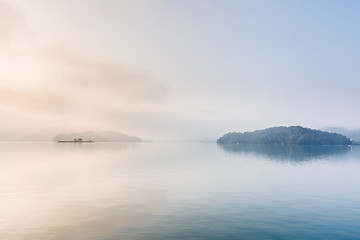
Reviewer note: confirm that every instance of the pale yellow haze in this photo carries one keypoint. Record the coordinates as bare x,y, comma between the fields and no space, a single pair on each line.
79,65
45,85
169,70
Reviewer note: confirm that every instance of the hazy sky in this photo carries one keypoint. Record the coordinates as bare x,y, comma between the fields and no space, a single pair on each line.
177,70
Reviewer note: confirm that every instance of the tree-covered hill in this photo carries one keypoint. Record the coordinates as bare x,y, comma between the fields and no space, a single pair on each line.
294,135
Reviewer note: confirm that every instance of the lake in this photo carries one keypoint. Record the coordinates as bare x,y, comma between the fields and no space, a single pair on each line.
178,191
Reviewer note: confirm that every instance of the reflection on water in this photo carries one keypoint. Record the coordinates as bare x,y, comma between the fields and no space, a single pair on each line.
51,191
71,191
287,152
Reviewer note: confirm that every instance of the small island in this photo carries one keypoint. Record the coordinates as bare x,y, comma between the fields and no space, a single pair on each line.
76,140
293,135
103,136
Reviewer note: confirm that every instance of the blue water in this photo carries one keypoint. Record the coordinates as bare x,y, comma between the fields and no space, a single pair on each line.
178,191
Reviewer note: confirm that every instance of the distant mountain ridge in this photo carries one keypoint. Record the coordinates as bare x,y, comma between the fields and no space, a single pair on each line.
350,133
104,136
293,135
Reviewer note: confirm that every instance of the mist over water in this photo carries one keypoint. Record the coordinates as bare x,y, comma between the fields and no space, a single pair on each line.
178,191
178,71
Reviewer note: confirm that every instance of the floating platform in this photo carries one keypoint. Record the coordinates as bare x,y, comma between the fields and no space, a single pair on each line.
79,140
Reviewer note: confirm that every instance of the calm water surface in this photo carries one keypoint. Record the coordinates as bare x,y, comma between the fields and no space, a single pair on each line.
178,191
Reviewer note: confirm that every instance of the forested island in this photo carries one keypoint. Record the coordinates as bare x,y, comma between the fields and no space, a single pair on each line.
294,135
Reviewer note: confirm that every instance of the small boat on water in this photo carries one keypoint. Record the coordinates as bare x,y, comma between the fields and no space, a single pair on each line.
78,140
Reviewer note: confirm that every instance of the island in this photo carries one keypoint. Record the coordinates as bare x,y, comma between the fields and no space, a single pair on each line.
76,140
102,136
293,135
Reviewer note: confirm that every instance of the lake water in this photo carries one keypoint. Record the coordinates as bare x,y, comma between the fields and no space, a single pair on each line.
178,191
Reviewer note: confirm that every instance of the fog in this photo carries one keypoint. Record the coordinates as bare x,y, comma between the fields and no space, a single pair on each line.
175,71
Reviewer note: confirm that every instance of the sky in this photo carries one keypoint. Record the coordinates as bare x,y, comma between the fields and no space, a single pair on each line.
189,70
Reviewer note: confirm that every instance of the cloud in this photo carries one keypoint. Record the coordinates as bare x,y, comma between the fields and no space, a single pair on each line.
96,77
39,101
57,82
12,23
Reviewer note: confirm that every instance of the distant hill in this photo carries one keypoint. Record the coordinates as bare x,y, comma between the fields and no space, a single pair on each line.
294,135
350,133
105,136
